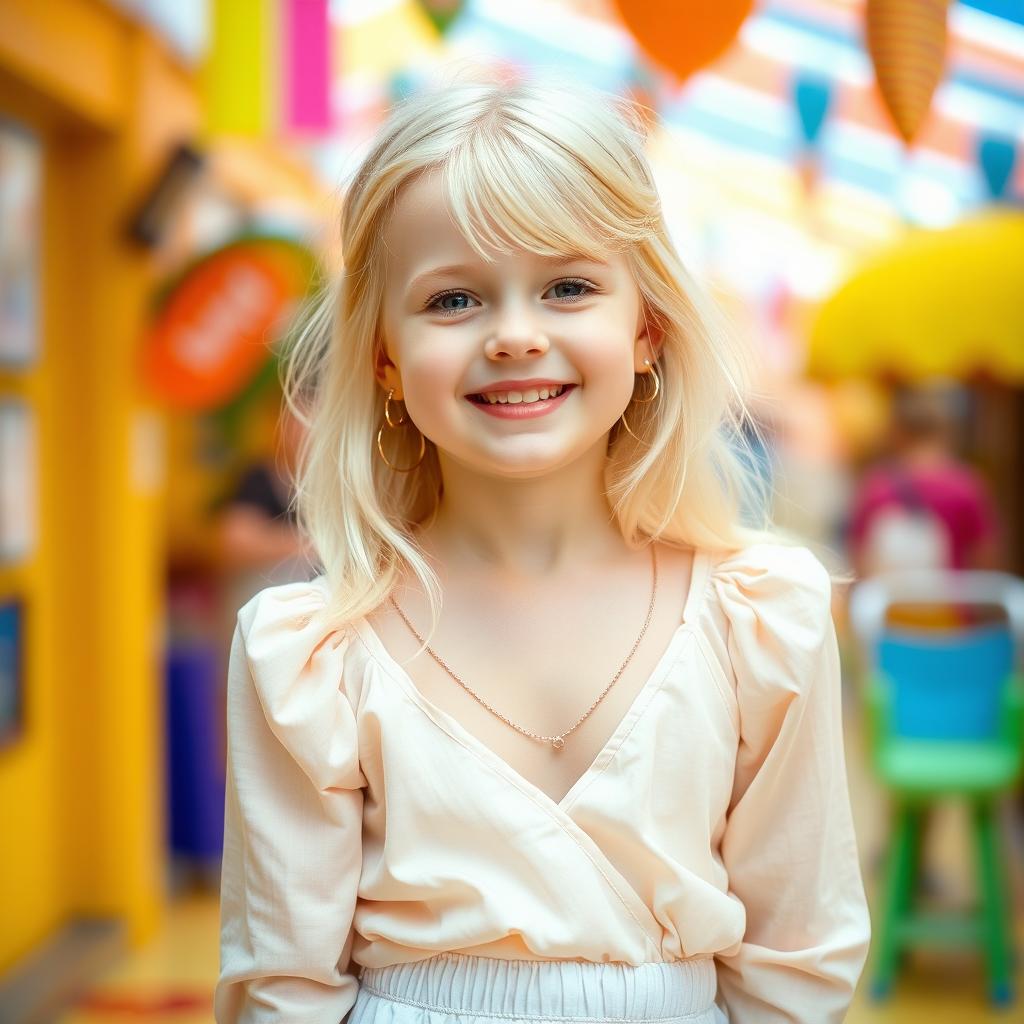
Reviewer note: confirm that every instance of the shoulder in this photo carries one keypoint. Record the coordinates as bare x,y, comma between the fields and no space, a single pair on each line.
277,611
288,626
771,573
293,656
771,614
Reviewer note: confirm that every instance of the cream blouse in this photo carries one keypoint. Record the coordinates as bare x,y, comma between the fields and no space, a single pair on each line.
366,826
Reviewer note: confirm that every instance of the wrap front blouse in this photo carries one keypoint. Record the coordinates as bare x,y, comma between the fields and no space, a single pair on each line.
366,826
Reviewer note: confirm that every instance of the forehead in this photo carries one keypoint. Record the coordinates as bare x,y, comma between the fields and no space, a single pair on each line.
418,217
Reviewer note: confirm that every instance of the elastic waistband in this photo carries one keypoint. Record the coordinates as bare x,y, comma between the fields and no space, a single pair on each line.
579,990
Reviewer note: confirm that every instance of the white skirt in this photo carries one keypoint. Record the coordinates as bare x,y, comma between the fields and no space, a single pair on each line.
453,988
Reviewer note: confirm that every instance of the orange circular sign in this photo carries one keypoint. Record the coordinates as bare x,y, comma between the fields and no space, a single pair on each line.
214,329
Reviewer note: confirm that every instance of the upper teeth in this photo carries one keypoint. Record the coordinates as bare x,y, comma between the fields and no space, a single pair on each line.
515,397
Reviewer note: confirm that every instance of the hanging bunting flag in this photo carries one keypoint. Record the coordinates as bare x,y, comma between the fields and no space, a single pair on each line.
240,73
907,43
683,35
997,155
307,66
442,12
812,95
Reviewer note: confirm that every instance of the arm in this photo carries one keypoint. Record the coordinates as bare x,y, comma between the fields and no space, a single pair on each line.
292,839
789,845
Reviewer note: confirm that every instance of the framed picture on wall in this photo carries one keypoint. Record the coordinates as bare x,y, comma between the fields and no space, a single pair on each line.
21,171
17,480
12,661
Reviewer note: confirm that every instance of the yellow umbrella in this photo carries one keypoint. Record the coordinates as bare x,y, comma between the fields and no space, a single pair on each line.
947,302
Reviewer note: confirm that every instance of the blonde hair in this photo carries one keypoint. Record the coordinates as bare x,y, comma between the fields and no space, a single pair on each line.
556,169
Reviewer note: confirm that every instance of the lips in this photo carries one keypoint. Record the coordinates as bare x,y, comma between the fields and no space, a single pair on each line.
521,410
521,385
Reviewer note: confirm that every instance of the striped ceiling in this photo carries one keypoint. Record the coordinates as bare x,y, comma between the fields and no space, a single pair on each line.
743,100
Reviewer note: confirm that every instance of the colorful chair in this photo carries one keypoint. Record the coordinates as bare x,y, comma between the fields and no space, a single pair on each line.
945,721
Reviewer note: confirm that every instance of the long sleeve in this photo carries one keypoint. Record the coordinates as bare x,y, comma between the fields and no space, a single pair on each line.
292,818
789,846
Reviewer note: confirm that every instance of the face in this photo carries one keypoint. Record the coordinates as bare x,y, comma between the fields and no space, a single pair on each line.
455,325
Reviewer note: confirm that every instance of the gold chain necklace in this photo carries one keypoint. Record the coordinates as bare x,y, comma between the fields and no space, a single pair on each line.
556,741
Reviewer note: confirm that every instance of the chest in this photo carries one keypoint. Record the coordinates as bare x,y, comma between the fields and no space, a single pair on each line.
544,671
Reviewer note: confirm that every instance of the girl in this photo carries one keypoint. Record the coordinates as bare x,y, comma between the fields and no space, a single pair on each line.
603,779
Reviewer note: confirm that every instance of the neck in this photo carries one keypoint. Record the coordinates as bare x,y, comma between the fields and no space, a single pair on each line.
525,529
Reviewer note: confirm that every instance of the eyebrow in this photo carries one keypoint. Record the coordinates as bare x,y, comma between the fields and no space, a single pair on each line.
462,268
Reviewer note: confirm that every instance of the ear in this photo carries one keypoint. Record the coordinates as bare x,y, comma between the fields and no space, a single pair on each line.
385,371
649,339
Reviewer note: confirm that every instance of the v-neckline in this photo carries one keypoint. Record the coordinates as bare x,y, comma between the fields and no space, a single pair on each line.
461,734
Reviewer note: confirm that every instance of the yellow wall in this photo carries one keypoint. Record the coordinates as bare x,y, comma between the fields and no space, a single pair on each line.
82,793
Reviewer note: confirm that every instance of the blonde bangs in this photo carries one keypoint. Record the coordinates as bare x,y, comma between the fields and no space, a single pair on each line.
512,185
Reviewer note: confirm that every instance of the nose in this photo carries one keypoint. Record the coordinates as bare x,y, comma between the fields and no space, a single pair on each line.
515,338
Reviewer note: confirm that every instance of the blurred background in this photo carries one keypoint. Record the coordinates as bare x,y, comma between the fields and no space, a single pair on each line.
842,175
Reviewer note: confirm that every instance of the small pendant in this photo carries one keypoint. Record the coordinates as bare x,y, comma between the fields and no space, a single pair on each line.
558,742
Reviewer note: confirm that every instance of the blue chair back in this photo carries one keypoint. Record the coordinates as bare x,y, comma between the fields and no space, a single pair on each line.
947,685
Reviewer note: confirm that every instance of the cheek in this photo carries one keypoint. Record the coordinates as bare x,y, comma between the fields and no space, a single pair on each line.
603,357
431,377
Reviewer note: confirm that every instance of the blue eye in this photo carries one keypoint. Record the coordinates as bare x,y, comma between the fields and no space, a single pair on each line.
574,282
447,310
435,301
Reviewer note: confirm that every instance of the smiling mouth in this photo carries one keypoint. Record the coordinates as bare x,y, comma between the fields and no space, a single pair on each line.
480,399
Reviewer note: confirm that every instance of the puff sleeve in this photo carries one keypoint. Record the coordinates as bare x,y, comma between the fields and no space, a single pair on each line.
789,846
292,817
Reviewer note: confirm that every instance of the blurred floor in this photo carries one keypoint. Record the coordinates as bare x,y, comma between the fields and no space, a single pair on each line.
170,982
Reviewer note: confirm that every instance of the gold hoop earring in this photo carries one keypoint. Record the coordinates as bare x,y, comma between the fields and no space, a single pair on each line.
644,401
657,384
389,423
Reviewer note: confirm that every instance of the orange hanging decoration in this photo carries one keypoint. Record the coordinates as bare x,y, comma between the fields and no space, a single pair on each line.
683,35
907,43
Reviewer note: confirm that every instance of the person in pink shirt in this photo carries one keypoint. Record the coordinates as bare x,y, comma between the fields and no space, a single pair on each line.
923,507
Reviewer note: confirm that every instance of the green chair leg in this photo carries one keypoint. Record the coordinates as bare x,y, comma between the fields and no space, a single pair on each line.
924,814
897,897
995,898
